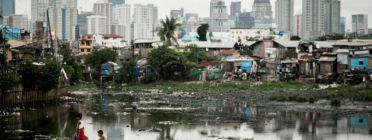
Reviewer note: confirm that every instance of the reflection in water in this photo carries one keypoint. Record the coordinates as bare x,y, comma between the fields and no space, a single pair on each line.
99,114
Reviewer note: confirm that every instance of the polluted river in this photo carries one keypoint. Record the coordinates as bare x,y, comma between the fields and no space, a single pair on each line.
191,115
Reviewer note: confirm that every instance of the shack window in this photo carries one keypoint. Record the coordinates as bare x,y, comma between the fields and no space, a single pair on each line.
88,50
361,62
82,50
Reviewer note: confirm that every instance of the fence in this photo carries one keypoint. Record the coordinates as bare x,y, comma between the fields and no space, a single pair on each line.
20,99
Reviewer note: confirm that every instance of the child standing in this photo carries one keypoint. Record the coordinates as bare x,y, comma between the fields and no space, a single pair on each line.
80,128
100,134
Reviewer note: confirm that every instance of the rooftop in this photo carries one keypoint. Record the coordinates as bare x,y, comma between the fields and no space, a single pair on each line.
287,44
228,52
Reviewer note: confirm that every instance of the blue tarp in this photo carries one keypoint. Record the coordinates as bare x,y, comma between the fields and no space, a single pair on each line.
359,121
246,65
136,72
355,62
229,56
105,73
105,67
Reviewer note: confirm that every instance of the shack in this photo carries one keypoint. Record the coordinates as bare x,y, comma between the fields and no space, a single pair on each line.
211,48
307,68
145,47
288,69
360,60
327,68
286,49
343,60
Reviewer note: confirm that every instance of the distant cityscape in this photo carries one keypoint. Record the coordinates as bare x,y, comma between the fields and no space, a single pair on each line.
114,17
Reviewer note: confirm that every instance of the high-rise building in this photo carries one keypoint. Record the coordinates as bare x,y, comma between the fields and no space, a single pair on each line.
359,24
82,22
235,9
154,17
118,29
116,2
66,22
320,17
65,3
342,25
244,20
262,9
122,16
188,24
38,10
103,8
211,6
97,24
220,17
297,24
284,15
17,21
189,15
176,13
7,8
143,22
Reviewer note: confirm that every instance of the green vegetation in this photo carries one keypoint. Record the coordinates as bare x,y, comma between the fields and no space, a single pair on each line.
295,38
202,32
125,74
168,30
50,76
70,65
334,36
96,58
81,87
174,85
290,85
336,102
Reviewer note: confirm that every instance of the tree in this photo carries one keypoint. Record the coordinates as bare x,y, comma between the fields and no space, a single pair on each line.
249,38
334,36
202,32
169,64
246,51
211,34
69,62
50,75
7,76
168,30
193,53
295,38
96,58
239,39
125,74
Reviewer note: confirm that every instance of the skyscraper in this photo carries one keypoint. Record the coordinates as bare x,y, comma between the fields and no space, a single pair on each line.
122,16
176,13
118,29
342,25
143,22
66,20
103,8
284,15
154,17
17,21
244,20
83,22
65,3
116,2
38,10
262,13
97,24
235,9
320,17
211,6
220,18
297,25
359,24
7,8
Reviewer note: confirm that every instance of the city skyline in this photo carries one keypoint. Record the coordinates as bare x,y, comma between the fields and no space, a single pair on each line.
347,10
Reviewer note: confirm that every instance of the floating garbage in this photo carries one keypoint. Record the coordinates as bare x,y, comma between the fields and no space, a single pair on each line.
167,123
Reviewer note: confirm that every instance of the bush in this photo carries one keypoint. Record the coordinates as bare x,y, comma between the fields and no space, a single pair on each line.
335,102
148,79
311,99
301,99
281,98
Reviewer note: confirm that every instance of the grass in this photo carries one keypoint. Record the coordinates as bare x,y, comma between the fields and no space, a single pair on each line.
81,87
175,85
290,85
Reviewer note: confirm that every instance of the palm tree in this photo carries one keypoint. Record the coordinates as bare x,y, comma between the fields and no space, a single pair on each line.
168,30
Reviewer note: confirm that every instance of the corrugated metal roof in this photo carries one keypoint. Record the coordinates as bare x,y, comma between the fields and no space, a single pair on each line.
15,44
353,44
327,59
324,44
248,43
288,44
343,50
220,45
146,41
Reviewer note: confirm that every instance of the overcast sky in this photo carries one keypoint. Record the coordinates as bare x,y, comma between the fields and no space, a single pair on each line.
348,7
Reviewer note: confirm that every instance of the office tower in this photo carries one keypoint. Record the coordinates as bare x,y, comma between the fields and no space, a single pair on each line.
189,15
66,20
297,24
176,13
116,2
235,9
207,20
154,17
284,15
359,24
103,8
342,25
65,3
320,17
82,22
97,24
16,21
244,20
122,15
7,8
220,18
191,20
262,9
142,22
38,10
211,6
